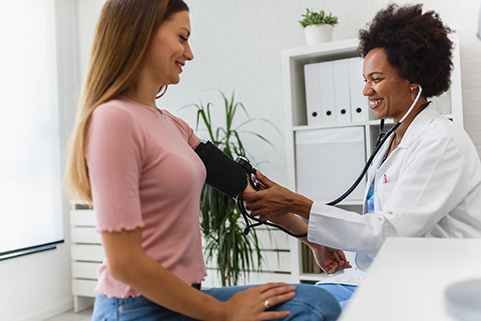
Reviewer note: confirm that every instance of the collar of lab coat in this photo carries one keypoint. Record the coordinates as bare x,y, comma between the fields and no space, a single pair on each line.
418,126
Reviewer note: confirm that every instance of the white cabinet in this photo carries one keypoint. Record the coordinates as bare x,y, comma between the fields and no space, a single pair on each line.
87,254
316,167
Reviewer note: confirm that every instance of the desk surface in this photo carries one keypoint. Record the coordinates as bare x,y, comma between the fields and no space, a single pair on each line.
408,278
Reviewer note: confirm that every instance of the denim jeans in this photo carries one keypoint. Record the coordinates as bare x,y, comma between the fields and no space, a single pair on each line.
342,292
310,303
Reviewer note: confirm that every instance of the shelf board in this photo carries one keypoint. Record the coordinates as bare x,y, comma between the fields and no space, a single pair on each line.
310,127
372,122
328,50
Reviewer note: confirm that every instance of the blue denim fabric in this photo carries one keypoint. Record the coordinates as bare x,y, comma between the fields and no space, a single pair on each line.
342,292
310,303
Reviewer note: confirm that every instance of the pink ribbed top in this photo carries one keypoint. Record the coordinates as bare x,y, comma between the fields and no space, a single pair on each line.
144,173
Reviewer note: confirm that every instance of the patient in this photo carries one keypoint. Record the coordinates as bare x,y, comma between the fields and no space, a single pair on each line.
124,156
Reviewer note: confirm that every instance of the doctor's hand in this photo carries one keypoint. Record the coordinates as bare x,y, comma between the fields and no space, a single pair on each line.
329,260
275,201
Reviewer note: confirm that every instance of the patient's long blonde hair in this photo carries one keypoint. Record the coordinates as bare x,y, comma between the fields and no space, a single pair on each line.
122,40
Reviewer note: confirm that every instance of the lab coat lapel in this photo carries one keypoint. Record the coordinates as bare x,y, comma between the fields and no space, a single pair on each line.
418,126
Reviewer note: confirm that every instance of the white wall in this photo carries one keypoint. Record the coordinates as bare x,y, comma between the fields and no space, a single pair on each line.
37,286
237,45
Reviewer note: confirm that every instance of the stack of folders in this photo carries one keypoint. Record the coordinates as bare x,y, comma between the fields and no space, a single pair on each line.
334,92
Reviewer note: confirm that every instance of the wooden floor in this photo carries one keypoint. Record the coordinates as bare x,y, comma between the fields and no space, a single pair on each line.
72,316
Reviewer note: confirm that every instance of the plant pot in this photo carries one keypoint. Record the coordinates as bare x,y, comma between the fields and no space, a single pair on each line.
318,34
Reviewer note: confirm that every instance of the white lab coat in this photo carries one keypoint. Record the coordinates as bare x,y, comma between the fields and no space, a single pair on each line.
430,186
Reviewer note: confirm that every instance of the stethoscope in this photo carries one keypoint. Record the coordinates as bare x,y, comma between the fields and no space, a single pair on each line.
381,139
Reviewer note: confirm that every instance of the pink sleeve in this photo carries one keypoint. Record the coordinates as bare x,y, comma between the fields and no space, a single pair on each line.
114,159
185,129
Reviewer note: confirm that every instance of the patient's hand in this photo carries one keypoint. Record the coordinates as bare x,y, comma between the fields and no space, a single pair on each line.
330,260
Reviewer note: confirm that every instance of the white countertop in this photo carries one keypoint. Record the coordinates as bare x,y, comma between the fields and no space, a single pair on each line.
408,278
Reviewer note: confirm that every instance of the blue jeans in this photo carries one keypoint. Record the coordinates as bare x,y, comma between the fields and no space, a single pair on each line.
341,292
310,303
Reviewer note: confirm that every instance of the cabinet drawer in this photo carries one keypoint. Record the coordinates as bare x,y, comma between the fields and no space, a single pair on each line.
91,253
85,270
82,218
327,161
84,287
85,235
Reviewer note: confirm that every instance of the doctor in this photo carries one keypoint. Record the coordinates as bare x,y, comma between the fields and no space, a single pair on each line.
426,179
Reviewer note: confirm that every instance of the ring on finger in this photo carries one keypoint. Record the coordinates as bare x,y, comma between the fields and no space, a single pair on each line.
266,304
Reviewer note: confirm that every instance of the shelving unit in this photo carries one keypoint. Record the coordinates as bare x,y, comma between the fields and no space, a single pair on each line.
296,121
87,254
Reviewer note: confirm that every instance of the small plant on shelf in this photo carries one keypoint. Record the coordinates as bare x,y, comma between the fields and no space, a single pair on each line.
313,18
318,26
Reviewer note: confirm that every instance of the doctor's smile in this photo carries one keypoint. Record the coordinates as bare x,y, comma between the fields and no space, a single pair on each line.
374,103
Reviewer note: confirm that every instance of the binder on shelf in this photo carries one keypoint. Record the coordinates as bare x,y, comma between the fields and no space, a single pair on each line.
341,90
327,95
313,96
359,103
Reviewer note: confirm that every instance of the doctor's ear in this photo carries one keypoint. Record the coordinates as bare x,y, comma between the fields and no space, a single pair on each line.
413,88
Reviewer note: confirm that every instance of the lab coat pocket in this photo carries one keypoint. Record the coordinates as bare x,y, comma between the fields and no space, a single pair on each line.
383,193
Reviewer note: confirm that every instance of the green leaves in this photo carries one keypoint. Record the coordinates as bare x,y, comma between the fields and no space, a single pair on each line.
220,219
317,18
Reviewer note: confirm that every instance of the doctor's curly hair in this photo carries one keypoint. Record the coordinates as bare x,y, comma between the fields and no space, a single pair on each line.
415,42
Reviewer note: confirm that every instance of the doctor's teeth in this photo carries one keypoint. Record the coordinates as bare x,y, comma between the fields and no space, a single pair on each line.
375,102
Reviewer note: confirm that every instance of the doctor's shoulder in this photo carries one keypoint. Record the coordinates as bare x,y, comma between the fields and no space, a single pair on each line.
441,134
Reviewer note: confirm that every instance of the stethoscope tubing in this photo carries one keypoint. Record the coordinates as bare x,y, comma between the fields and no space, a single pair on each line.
378,146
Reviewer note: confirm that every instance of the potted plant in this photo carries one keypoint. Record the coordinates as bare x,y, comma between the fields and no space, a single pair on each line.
318,26
221,221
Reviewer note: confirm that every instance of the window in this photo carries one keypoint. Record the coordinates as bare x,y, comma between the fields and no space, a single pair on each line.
30,163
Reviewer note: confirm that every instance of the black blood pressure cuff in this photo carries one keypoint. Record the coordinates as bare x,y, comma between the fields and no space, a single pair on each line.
223,173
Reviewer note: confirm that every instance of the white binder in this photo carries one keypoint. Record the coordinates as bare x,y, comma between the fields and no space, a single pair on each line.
313,95
359,103
328,161
341,89
326,89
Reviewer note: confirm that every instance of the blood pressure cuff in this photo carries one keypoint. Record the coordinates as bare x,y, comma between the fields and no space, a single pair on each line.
223,173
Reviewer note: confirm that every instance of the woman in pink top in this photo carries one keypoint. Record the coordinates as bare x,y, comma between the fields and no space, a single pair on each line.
136,164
